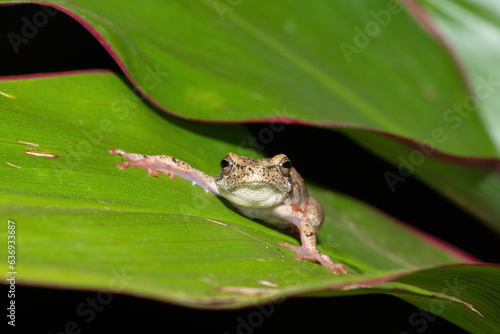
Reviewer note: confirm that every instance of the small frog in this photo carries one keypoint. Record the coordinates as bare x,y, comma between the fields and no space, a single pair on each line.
269,189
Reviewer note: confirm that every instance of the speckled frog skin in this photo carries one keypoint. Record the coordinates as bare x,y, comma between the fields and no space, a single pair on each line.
269,189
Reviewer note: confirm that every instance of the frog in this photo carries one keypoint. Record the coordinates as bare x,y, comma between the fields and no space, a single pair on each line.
266,189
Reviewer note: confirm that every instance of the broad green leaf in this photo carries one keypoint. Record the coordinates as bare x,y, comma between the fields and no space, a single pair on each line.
343,63
83,223
460,296
472,29
327,63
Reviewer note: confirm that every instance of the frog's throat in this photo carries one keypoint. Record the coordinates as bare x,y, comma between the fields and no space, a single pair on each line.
255,195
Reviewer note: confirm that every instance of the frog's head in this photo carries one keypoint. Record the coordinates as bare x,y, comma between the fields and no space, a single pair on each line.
255,183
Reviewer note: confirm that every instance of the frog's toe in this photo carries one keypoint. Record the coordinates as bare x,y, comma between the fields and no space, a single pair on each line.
325,260
313,255
151,172
113,150
297,250
122,165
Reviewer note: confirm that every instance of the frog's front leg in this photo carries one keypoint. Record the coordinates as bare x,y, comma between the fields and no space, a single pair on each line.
308,232
168,165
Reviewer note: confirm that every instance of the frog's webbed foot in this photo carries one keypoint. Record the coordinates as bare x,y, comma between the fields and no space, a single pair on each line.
313,255
135,160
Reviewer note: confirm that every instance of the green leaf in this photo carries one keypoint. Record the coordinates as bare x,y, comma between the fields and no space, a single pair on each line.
338,64
469,30
472,30
83,223
213,61
452,292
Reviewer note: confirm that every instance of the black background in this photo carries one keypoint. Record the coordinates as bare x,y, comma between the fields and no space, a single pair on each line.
62,44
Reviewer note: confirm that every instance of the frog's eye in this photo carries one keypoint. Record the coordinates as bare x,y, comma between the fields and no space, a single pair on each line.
226,166
285,167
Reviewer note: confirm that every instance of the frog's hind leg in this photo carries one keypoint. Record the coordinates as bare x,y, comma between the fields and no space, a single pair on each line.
308,249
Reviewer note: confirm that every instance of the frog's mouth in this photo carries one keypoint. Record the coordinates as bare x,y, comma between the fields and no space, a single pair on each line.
255,195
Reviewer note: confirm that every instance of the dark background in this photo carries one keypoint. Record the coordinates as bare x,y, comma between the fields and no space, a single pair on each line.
62,44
